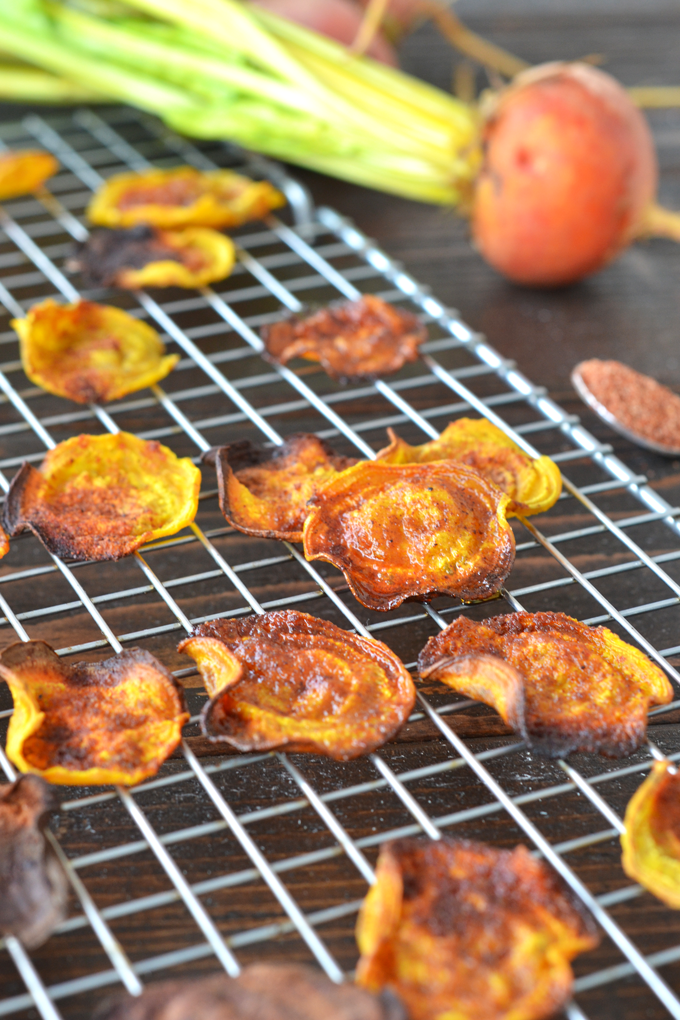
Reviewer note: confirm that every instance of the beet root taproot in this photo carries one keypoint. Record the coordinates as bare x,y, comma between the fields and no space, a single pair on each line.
569,175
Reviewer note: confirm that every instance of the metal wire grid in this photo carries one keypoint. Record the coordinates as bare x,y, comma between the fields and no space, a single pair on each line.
276,265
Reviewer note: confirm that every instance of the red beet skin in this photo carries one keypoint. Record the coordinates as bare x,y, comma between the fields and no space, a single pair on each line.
569,171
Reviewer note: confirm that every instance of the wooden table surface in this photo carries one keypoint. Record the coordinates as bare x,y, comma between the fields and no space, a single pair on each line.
629,311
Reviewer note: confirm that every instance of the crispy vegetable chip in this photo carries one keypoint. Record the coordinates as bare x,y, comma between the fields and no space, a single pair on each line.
24,171
412,532
182,197
533,485
102,497
265,492
358,339
463,931
114,721
90,353
147,257
262,991
34,891
651,842
288,680
561,685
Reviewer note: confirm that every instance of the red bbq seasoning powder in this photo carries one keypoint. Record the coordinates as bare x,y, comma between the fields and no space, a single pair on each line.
639,403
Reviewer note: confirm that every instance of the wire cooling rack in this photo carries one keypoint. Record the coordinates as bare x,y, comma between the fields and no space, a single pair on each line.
227,858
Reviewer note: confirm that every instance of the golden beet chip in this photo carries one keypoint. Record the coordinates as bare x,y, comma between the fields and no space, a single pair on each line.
358,339
412,532
561,685
24,171
147,257
288,680
533,485
262,991
92,722
183,197
34,889
89,352
463,931
265,492
651,842
102,497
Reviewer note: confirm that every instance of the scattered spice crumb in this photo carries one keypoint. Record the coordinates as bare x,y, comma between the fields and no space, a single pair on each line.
638,402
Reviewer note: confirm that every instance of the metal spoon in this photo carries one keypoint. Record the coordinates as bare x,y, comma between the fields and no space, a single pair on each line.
606,415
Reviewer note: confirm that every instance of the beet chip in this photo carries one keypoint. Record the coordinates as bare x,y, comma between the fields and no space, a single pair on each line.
288,680
359,339
463,930
563,686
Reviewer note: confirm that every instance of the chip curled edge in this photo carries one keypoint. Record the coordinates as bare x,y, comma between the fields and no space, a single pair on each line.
24,170
412,532
102,497
360,339
91,723
464,931
90,353
266,991
561,685
651,841
182,197
145,256
288,680
34,887
265,491
532,483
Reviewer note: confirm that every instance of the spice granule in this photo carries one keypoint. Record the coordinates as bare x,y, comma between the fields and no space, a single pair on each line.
639,403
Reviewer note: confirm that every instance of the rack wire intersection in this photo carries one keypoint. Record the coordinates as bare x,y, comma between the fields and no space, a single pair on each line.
274,852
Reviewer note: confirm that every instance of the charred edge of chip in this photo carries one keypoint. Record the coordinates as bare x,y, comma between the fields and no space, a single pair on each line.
108,250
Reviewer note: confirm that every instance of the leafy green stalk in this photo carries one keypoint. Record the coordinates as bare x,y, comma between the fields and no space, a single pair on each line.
27,85
119,83
219,69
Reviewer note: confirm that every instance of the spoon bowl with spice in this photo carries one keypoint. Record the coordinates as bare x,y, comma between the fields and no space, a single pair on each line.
634,405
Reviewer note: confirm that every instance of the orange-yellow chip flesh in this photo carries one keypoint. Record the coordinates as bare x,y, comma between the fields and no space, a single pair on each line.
464,931
90,353
203,256
533,484
266,492
90,723
24,171
182,197
290,681
4,542
102,497
651,842
412,532
563,686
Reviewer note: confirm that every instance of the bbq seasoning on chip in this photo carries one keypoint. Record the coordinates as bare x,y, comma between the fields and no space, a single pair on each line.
464,931
182,197
102,497
561,685
533,484
288,680
360,339
266,492
87,723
